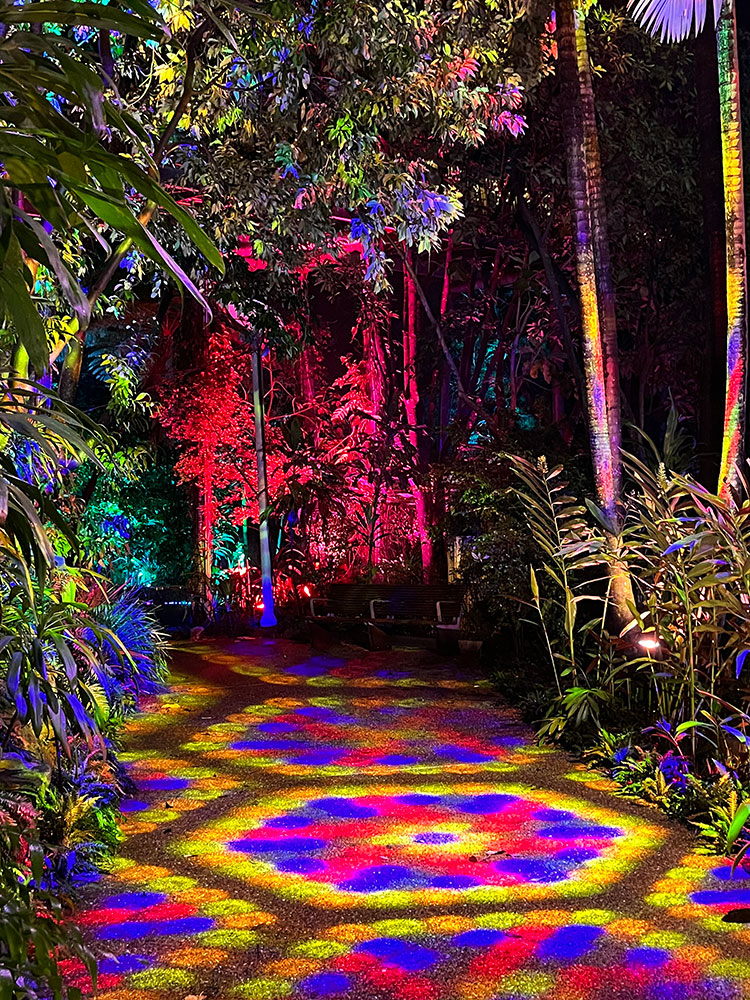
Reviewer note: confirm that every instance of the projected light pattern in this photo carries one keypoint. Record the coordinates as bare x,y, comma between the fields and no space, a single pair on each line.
166,787
158,930
551,954
704,888
381,735
386,871
376,670
399,846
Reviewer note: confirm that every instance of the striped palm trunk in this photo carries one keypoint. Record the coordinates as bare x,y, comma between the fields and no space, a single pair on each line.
734,209
571,53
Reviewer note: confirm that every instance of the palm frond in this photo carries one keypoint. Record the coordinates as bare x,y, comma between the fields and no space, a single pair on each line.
673,20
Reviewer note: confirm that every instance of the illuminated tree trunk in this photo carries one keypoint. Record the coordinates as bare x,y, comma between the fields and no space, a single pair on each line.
568,39
595,289
207,516
734,210
411,403
603,264
268,616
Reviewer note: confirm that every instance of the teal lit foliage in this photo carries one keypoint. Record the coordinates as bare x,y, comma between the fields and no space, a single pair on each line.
138,529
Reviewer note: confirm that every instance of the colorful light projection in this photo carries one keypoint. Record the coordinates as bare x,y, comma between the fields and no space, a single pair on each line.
703,888
403,846
160,932
166,787
328,671
544,954
344,736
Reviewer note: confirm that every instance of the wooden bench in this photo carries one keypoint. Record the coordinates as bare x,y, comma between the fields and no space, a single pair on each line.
384,603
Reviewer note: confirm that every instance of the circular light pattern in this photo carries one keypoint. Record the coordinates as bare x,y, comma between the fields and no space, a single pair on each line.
396,846
550,954
705,888
330,736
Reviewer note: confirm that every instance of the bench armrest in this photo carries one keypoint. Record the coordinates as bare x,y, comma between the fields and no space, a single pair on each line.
378,600
453,619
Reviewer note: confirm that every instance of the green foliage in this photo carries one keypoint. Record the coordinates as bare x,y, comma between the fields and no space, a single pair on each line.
35,933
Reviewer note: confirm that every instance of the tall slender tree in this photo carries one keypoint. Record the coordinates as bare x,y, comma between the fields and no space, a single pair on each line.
673,20
575,80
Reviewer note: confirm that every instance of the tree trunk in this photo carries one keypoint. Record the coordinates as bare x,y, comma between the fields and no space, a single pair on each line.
268,617
715,254
734,208
603,264
593,351
602,405
411,403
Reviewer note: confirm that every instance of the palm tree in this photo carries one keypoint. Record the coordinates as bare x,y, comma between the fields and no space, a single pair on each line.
674,20
592,255
596,288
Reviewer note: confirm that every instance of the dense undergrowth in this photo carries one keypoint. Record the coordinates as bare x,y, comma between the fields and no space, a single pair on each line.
660,703
75,655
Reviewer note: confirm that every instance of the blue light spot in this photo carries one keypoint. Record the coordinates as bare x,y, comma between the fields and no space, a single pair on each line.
416,799
454,882
717,897
487,804
573,832
307,670
133,805
288,822
344,808
480,937
435,838
531,869
405,955
555,816
568,944
265,745
576,855
301,866
652,958
137,929
724,874
381,877
123,964
257,845
325,984
162,784
277,727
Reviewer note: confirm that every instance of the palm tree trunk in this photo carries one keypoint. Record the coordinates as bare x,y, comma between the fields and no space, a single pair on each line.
596,295
593,351
734,209
600,234
714,250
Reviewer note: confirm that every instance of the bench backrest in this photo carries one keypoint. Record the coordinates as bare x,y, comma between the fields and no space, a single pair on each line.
399,600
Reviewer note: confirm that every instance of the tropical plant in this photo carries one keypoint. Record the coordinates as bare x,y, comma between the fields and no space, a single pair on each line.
75,164
674,20
36,936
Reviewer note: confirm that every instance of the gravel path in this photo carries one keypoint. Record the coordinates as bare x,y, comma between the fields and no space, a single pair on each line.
378,828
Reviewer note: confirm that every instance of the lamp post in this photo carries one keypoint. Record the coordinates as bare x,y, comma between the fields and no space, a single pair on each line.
268,618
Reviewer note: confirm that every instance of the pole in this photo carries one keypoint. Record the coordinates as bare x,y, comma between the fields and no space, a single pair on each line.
268,618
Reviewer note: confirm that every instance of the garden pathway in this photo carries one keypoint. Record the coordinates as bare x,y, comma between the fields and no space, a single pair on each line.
308,826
